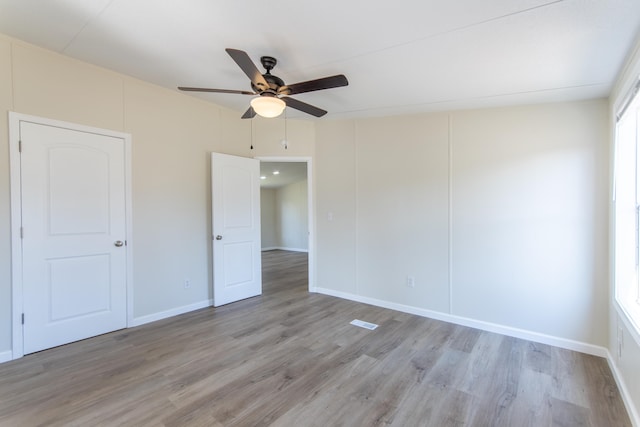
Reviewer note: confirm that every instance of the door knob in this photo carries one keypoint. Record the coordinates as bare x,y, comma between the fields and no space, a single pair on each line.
218,237
119,243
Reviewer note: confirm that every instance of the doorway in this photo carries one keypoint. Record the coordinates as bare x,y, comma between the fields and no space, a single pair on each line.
287,219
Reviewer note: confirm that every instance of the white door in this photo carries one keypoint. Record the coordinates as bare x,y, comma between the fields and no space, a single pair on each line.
237,264
73,220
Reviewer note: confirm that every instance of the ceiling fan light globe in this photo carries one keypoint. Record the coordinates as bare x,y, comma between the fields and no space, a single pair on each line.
268,106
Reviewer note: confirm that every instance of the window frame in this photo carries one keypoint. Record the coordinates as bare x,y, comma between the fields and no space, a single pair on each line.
626,277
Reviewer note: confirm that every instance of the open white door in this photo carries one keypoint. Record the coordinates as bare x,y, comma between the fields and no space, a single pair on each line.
237,264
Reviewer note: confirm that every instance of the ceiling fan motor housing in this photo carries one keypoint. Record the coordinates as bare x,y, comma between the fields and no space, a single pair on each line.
275,82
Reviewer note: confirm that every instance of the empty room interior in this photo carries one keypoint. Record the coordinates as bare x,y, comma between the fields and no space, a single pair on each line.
414,213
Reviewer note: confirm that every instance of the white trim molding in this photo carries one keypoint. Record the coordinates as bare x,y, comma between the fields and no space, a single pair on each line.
477,324
138,321
280,248
6,356
634,415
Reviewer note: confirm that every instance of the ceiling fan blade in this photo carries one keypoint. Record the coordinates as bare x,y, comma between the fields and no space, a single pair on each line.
249,68
204,89
249,114
304,107
311,85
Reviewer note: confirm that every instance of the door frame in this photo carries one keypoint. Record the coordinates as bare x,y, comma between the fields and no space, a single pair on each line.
15,170
310,211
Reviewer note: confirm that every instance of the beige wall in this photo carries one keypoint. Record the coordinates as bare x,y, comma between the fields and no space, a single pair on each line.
172,136
268,218
335,201
529,218
284,215
402,209
293,215
6,103
499,214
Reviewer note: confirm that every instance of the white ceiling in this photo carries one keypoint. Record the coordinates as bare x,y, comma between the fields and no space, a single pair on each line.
400,56
287,173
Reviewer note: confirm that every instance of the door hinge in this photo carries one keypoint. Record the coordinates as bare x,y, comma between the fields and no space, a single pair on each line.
23,318
22,232
20,146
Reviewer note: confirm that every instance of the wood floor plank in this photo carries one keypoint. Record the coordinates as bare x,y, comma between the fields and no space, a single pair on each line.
291,358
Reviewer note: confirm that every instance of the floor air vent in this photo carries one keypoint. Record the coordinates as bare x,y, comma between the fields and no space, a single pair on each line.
362,324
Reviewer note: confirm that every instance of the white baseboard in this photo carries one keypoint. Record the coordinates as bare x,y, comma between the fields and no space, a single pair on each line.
281,248
294,249
477,324
6,356
137,321
624,392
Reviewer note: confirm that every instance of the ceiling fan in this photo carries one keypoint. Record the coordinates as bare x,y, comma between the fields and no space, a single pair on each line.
273,94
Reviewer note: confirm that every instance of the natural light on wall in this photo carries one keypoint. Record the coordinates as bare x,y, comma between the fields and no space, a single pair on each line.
626,205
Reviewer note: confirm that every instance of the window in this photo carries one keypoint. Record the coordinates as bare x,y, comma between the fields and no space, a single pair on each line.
627,208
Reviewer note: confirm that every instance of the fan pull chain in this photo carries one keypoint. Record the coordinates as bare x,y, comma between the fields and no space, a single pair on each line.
286,141
251,134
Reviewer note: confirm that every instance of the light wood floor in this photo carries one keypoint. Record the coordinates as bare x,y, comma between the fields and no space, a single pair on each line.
290,358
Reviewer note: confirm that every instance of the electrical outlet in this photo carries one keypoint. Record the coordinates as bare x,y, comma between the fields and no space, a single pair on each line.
411,281
187,283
